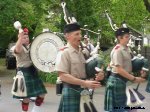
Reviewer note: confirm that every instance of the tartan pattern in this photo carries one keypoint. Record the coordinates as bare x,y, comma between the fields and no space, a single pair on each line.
70,100
115,95
148,85
34,84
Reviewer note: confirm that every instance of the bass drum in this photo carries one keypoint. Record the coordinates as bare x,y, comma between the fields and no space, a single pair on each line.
44,50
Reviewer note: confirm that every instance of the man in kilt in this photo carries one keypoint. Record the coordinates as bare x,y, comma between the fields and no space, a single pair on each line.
115,93
34,85
71,70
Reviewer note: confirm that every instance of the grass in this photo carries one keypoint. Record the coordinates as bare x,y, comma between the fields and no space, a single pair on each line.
2,61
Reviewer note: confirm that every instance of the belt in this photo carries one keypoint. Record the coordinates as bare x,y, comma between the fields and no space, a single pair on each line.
66,85
119,76
26,68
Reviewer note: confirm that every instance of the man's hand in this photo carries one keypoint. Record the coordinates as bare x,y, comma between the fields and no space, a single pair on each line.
143,73
21,37
21,40
139,79
99,76
91,84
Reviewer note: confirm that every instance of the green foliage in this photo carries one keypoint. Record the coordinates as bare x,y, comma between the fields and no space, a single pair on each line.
48,77
30,13
106,56
131,11
34,15
92,14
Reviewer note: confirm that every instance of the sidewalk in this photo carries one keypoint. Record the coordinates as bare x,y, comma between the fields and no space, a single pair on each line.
8,104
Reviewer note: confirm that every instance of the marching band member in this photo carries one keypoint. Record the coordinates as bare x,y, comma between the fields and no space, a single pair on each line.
87,43
115,94
34,85
71,70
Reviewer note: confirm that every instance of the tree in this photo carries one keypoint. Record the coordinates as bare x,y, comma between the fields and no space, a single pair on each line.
91,12
131,11
31,14
40,14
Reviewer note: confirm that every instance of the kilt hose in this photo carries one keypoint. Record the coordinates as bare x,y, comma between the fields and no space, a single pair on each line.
115,95
70,100
34,84
148,84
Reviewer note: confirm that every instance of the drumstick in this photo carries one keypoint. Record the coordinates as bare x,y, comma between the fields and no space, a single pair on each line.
18,26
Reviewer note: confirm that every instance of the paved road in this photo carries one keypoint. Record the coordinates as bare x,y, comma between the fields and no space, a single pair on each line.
8,104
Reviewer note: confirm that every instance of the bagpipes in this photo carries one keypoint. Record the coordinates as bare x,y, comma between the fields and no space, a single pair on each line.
94,63
134,97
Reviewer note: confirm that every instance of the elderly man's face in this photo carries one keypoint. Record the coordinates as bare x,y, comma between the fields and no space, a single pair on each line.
74,38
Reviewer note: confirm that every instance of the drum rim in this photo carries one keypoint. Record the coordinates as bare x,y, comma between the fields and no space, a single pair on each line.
47,32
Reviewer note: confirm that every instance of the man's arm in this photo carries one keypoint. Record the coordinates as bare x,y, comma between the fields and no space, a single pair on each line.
68,78
18,48
118,63
125,74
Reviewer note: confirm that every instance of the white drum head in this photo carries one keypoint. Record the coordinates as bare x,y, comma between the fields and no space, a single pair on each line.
44,50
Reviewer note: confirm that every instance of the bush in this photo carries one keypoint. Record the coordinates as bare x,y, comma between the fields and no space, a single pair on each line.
48,77
105,55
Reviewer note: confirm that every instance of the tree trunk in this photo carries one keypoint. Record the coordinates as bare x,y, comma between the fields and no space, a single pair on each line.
147,5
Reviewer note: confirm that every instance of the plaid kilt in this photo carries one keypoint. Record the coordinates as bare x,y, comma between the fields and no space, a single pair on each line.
115,95
148,85
70,100
34,84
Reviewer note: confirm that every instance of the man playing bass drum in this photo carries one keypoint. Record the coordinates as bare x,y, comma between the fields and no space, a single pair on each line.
34,85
